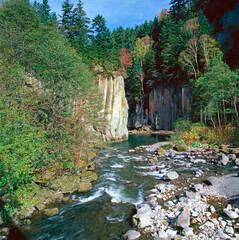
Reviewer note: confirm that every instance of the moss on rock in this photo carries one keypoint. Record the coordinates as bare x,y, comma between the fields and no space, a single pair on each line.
84,186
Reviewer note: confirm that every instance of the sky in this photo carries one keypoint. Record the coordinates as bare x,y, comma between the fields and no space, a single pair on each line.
125,13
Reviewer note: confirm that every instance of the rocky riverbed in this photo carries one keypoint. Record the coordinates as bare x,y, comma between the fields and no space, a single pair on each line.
200,206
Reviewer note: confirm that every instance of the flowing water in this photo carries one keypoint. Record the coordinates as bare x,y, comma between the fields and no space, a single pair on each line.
105,212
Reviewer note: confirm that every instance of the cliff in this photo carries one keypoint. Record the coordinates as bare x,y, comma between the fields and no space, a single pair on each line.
162,107
115,107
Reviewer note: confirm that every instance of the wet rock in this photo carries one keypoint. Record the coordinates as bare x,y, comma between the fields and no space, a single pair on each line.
142,218
153,160
171,175
84,187
224,159
214,181
230,214
65,199
171,153
161,151
181,148
235,151
131,235
51,212
183,219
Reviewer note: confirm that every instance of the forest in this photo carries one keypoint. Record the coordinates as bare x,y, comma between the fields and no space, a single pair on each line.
49,100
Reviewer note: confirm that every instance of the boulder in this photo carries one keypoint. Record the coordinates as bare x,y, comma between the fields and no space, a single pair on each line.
25,212
224,159
181,148
131,235
183,219
161,151
235,151
171,153
153,160
51,212
171,175
230,214
40,206
142,218
89,175
214,181
84,186
198,187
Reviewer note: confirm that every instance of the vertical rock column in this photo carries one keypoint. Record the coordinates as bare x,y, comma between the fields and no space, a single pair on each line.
115,107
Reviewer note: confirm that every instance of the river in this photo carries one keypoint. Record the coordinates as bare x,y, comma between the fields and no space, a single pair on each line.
105,212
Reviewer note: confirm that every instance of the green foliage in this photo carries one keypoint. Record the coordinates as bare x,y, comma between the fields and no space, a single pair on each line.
49,102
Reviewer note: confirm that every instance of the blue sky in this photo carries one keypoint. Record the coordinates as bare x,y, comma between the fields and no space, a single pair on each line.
126,13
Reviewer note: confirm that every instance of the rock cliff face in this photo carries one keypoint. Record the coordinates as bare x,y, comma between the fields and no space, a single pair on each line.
162,107
115,106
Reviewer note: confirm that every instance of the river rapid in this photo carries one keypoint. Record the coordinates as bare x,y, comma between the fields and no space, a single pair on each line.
105,212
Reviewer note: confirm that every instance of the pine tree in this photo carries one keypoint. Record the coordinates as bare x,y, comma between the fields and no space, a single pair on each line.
81,27
67,21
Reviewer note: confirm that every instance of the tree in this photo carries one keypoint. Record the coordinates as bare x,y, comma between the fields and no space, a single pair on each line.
67,21
140,53
125,58
81,27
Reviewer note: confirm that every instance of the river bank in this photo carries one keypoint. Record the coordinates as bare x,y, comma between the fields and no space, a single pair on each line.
203,205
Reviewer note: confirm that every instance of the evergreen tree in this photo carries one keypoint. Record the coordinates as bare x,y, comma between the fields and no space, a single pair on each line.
81,27
67,21
44,11
102,36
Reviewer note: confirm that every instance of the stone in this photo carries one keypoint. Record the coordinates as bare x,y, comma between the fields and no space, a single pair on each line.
192,195
171,233
57,196
181,148
212,209
162,234
183,219
229,230
153,160
26,212
222,235
131,235
161,151
51,212
235,151
65,199
230,214
198,187
89,175
40,206
171,153
224,159
142,218
84,187
172,175
4,231
188,231
208,224
214,181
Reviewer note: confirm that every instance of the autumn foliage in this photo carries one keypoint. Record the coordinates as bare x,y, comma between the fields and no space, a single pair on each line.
163,14
125,58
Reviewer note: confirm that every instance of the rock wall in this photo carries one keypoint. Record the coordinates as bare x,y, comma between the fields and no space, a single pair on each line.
115,107
162,107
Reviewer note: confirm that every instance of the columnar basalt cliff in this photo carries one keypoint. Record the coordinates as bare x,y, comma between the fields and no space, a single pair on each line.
115,106
162,107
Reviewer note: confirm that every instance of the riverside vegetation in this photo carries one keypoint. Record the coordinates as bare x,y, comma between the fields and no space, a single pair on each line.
49,103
